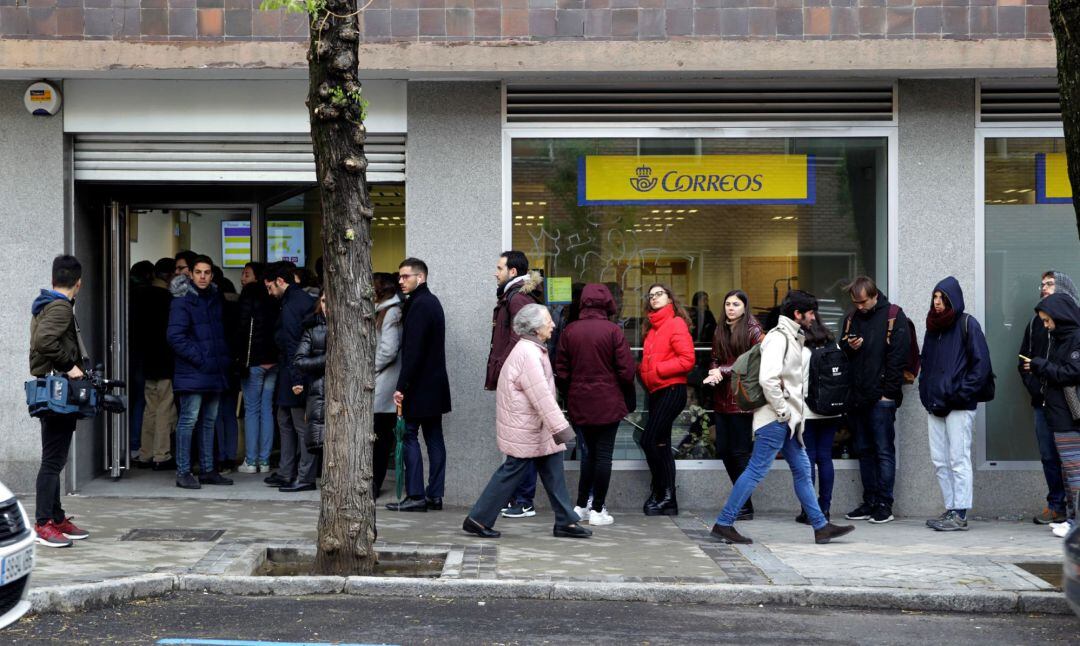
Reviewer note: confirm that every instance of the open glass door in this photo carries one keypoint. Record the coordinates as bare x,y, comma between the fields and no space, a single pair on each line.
117,453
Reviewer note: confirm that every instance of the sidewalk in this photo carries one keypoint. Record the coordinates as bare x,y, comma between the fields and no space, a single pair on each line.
902,555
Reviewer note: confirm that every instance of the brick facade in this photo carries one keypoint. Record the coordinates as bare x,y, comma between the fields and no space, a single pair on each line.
536,20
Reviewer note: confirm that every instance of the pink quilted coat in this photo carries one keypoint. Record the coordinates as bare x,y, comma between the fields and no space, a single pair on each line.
526,413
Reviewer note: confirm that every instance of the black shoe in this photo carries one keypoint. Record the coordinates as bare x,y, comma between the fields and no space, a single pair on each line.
745,515
862,512
297,486
667,505
214,478
187,481
830,531
275,480
474,527
167,465
802,518
435,504
139,464
882,514
650,502
408,504
727,534
571,531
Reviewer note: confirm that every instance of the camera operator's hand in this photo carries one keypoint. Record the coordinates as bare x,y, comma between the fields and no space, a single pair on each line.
75,373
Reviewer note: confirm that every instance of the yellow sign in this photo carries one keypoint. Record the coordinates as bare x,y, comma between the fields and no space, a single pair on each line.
695,179
1052,179
559,290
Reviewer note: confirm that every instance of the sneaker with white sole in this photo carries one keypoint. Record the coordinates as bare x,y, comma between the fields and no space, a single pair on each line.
953,522
519,511
49,535
1063,529
582,512
601,517
247,468
882,514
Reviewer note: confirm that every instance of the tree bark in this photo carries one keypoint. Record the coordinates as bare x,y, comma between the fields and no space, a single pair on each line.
347,517
1065,20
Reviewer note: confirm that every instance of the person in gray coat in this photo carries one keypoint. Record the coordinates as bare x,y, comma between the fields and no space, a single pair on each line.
387,369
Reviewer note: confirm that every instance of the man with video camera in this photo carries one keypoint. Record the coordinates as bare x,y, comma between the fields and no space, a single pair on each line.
55,347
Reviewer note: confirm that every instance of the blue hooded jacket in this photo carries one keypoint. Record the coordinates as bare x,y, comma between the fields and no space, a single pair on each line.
952,375
197,335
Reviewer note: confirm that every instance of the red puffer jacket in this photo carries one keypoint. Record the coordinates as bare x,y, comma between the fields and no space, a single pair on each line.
723,397
669,351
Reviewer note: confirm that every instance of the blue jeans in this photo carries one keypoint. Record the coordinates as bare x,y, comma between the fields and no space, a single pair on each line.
259,414
226,428
190,406
874,432
414,460
769,440
818,436
1051,463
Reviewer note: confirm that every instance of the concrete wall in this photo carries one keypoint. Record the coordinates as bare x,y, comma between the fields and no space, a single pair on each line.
32,221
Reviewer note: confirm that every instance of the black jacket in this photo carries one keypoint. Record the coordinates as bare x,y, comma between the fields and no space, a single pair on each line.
1062,368
423,379
310,363
1036,343
296,305
877,368
149,330
256,326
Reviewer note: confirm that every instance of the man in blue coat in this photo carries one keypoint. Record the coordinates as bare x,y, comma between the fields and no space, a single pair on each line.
955,377
196,334
296,305
423,389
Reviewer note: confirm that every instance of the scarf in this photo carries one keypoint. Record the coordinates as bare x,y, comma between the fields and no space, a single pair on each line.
940,322
660,316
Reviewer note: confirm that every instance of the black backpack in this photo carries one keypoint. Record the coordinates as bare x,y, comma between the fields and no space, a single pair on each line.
830,380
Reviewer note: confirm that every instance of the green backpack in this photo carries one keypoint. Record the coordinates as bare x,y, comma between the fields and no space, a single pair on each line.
746,378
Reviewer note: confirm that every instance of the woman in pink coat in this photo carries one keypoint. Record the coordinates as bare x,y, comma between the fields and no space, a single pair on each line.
530,428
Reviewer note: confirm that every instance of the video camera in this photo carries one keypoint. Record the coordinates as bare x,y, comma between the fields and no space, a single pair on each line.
56,394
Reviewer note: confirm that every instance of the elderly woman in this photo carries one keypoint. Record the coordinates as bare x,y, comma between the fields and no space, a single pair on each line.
530,428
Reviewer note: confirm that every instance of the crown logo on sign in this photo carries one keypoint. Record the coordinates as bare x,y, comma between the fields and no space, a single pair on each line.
643,181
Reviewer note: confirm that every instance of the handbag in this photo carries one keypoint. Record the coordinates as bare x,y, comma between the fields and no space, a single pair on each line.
1072,398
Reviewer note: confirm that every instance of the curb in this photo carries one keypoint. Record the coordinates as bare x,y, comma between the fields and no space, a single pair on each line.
85,596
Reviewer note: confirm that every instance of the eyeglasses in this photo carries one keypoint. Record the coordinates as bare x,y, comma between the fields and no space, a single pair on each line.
653,295
403,276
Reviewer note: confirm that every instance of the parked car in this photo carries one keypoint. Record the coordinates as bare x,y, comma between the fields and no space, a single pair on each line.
17,539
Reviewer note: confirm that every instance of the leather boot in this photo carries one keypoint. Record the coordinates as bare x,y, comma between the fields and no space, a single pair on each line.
667,505
650,502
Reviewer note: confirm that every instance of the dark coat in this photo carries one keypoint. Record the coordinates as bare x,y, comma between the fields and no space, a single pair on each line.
1062,368
54,344
150,307
197,336
257,324
310,363
296,305
877,368
423,380
503,337
723,397
594,365
953,373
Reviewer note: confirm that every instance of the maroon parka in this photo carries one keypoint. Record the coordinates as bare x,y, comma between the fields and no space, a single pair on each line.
593,361
503,338
723,397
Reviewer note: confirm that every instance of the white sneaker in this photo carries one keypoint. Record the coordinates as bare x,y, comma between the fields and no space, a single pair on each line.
582,512
247,468
600,518
1054,526
1062,529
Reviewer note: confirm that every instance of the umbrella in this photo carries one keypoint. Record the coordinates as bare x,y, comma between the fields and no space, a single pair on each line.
399,452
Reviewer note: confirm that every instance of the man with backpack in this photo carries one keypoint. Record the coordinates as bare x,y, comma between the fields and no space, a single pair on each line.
515,290
768,378
878,339
956,376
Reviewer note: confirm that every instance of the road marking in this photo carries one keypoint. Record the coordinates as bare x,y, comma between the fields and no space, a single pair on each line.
181,641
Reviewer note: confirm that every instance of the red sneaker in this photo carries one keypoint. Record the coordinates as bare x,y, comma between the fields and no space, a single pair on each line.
49,535
68,529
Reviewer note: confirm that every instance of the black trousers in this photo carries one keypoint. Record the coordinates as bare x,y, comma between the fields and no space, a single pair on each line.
596,467
664,406
55,444
384,446
734,444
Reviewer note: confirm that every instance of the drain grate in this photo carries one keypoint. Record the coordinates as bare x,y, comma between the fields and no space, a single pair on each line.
174,534
1051,572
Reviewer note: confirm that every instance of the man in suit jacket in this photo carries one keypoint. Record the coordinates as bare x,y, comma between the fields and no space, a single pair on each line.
423,389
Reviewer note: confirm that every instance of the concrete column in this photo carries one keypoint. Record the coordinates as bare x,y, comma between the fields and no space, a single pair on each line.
32,218
454,224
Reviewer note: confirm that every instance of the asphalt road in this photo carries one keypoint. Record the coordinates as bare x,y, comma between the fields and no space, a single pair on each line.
357,620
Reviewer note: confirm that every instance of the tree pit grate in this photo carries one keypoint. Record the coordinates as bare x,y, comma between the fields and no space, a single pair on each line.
174,535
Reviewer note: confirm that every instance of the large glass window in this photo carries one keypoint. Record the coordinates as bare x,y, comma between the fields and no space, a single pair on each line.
1030,228
704,215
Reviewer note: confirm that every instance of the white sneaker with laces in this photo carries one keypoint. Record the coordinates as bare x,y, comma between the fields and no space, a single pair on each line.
1063,529
582,512
247,468
600,518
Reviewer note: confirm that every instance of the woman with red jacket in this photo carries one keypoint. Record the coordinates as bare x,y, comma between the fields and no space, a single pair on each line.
667,358
734,426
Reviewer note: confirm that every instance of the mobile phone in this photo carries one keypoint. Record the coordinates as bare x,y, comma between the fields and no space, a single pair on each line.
1024,358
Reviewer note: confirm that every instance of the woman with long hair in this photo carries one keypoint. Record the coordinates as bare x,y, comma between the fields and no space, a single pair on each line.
734,426
387,345
667,357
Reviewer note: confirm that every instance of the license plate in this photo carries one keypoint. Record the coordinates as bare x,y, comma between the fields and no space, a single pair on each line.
16,565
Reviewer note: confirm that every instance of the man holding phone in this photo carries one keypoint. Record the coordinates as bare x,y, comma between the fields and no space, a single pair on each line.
876,344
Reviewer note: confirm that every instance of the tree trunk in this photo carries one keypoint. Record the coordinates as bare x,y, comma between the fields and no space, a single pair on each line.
347,517
1065,20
